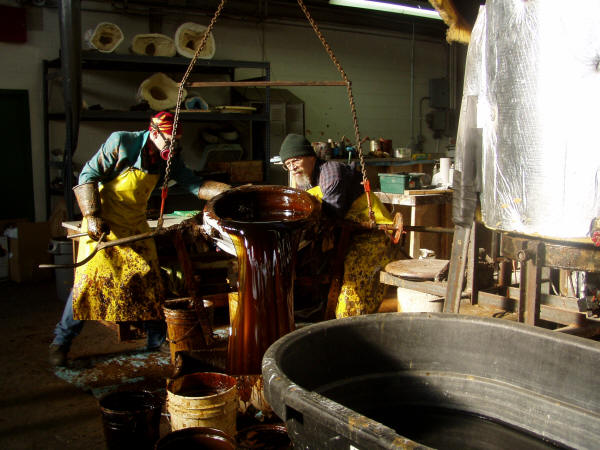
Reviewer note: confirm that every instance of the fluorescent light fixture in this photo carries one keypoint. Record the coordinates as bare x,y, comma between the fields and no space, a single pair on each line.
388,7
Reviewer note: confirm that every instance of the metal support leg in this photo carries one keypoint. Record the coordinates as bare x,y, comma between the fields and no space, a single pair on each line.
531,277
472,262
456,274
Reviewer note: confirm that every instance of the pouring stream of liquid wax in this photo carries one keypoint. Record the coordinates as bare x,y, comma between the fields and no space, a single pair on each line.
266,224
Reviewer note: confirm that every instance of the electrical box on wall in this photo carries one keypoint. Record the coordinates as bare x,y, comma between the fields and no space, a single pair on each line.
439,93
441,122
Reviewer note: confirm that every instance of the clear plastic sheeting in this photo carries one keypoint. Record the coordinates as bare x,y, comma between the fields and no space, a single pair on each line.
533,68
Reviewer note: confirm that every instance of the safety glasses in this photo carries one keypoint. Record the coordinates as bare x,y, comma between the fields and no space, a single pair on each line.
292,163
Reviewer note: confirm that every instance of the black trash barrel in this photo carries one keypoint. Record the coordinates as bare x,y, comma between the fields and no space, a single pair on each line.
431,379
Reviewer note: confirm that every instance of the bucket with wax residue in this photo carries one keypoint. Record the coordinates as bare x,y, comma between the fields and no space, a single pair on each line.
131,419
264,436
184,330
203,399
196,438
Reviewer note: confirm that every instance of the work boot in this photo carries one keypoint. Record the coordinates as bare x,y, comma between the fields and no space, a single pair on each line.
162,348
57,354
165,348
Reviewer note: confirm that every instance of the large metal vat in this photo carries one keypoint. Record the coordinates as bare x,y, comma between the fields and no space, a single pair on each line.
353,383
532,67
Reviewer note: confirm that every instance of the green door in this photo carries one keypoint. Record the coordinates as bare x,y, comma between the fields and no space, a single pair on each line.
16,174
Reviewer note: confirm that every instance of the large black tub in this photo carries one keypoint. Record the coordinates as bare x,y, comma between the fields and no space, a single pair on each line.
434,380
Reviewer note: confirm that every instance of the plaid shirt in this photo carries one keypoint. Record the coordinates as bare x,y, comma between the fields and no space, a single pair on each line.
340,184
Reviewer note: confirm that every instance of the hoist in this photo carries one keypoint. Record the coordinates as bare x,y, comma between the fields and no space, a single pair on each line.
345,82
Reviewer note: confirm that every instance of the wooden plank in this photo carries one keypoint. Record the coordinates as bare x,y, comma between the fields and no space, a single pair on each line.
548,312
456,274
534,276
428,287
549,300
427,191
411,200
263,83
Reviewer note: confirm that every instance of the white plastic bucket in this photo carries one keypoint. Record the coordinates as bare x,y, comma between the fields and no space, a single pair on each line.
203,399
415,301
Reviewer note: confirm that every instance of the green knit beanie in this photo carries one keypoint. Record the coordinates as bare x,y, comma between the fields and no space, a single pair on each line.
294,146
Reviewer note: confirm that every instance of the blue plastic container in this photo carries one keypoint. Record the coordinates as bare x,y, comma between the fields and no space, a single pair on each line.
393,183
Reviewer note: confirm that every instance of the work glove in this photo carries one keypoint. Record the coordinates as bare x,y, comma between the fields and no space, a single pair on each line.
88,199
96,226
211,188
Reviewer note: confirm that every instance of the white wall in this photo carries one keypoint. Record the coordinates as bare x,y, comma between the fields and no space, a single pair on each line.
378,64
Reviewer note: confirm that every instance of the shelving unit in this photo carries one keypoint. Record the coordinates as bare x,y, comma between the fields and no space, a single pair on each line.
259,121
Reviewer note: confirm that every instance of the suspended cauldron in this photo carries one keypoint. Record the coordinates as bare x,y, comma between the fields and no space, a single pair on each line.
263,226
439,380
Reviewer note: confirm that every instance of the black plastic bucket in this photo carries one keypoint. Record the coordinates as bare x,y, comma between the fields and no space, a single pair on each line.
265,437
131,419
389,380
196,438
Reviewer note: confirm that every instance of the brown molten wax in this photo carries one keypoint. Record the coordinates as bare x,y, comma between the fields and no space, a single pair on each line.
268,221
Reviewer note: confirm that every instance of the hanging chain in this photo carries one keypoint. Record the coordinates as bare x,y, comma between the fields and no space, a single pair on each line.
186,75
337,64
317,31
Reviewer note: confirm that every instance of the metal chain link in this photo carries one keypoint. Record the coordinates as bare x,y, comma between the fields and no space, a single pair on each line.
186,75
352,105
333,59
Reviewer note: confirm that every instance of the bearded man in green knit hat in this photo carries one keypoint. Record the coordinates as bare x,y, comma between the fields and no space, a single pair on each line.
339,183
356,289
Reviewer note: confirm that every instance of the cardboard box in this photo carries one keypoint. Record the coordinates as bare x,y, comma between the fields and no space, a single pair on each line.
246,172
28,245
240,171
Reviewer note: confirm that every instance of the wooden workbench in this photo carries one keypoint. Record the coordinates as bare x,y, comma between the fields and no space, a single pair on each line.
423,208
74,227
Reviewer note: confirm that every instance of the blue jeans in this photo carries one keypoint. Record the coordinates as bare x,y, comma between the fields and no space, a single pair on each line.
68,328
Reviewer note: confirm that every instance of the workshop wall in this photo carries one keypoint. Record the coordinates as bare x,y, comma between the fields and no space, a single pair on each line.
377,63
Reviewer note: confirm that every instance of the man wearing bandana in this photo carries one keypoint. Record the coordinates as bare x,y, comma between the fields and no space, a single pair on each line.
123,283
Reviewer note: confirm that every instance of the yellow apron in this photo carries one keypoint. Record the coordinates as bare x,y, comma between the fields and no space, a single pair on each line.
120,283
368,253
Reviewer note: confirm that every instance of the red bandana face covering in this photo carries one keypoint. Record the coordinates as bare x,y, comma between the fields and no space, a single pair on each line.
163,124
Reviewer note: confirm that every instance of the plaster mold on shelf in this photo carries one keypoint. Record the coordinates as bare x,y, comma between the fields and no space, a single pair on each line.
153,44
105,38
160,92
187,38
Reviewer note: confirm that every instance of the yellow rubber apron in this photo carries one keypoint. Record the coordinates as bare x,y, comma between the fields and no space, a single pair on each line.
368,253
120,283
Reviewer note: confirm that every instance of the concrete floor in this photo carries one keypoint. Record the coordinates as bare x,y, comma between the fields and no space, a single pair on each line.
38,409
46,408
43,407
